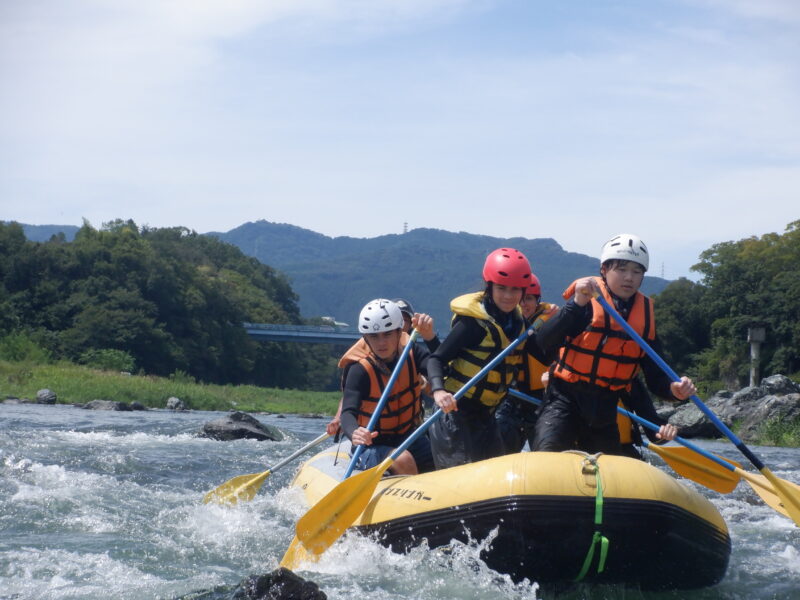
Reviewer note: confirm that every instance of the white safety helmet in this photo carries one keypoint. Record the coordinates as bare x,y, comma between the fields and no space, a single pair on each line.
380,315
625,246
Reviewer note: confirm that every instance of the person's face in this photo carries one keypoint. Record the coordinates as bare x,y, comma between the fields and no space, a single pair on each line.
624,279
384,343
505,297
529,304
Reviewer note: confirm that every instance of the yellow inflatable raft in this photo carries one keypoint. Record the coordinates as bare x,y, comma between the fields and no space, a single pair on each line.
559,517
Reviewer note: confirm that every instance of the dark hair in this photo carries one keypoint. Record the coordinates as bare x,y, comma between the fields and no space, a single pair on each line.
613,263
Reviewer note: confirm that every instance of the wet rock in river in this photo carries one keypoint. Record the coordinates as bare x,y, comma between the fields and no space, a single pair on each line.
106,405
13,400
239,425
46,396
174,403
281,584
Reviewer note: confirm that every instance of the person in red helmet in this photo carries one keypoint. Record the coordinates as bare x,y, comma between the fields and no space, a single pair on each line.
484,324
517,418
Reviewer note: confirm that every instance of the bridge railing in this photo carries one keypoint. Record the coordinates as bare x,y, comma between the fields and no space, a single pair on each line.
326,334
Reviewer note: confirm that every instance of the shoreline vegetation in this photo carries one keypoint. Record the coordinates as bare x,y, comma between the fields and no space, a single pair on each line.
78,384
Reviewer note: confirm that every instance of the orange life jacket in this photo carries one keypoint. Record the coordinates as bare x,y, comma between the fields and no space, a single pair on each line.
603,354
403,409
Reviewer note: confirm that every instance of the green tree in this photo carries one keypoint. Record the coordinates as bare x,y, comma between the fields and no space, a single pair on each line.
683,322
752,282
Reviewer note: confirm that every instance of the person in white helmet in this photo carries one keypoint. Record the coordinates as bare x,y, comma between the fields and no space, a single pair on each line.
368,365
424,324
598,362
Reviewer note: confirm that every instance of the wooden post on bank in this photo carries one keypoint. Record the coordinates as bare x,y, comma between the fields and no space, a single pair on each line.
755,335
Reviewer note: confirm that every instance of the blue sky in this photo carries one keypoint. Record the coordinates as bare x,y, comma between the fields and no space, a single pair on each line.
677,120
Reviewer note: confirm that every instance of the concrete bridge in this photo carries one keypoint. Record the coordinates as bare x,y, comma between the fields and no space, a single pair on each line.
309,334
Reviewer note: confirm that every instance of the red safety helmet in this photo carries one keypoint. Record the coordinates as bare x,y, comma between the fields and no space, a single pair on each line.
507,266
534,287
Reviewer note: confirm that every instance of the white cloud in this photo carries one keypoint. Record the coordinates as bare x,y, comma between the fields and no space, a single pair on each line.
785,11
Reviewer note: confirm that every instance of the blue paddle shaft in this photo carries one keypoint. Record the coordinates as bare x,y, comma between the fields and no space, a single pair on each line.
464,389
642,421
674,376
373,420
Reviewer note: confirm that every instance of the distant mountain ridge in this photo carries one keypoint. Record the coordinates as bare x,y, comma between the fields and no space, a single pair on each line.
429,267
42,233
336,276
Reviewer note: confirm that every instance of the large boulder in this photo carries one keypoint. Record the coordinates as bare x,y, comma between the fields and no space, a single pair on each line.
777,397
770,408
238,426
780,385
174,403
692,423
46,396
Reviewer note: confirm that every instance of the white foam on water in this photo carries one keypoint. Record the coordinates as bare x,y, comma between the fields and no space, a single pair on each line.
115,441
790,557
358,566
291,501
243,538
60,575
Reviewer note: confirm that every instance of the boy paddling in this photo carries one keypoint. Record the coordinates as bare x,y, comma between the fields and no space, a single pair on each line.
596,366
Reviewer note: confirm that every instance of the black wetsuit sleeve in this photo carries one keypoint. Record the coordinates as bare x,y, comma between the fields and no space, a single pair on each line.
433,344
420,355
532,347
641,403
466,332
657,381
569,321
356,387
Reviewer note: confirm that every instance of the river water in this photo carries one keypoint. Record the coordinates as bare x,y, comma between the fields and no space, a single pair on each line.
98,504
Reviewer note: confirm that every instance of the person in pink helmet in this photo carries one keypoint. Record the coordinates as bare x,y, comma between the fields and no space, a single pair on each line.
484,324
517,418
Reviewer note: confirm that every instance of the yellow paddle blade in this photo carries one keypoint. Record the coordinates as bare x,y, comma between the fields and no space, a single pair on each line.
761,486
328,519
691,465
243,487
787,492
296,555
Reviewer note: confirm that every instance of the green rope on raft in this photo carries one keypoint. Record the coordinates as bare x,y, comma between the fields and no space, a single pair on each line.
598,539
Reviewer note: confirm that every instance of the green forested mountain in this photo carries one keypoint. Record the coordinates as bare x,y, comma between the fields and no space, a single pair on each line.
161,300
429,267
